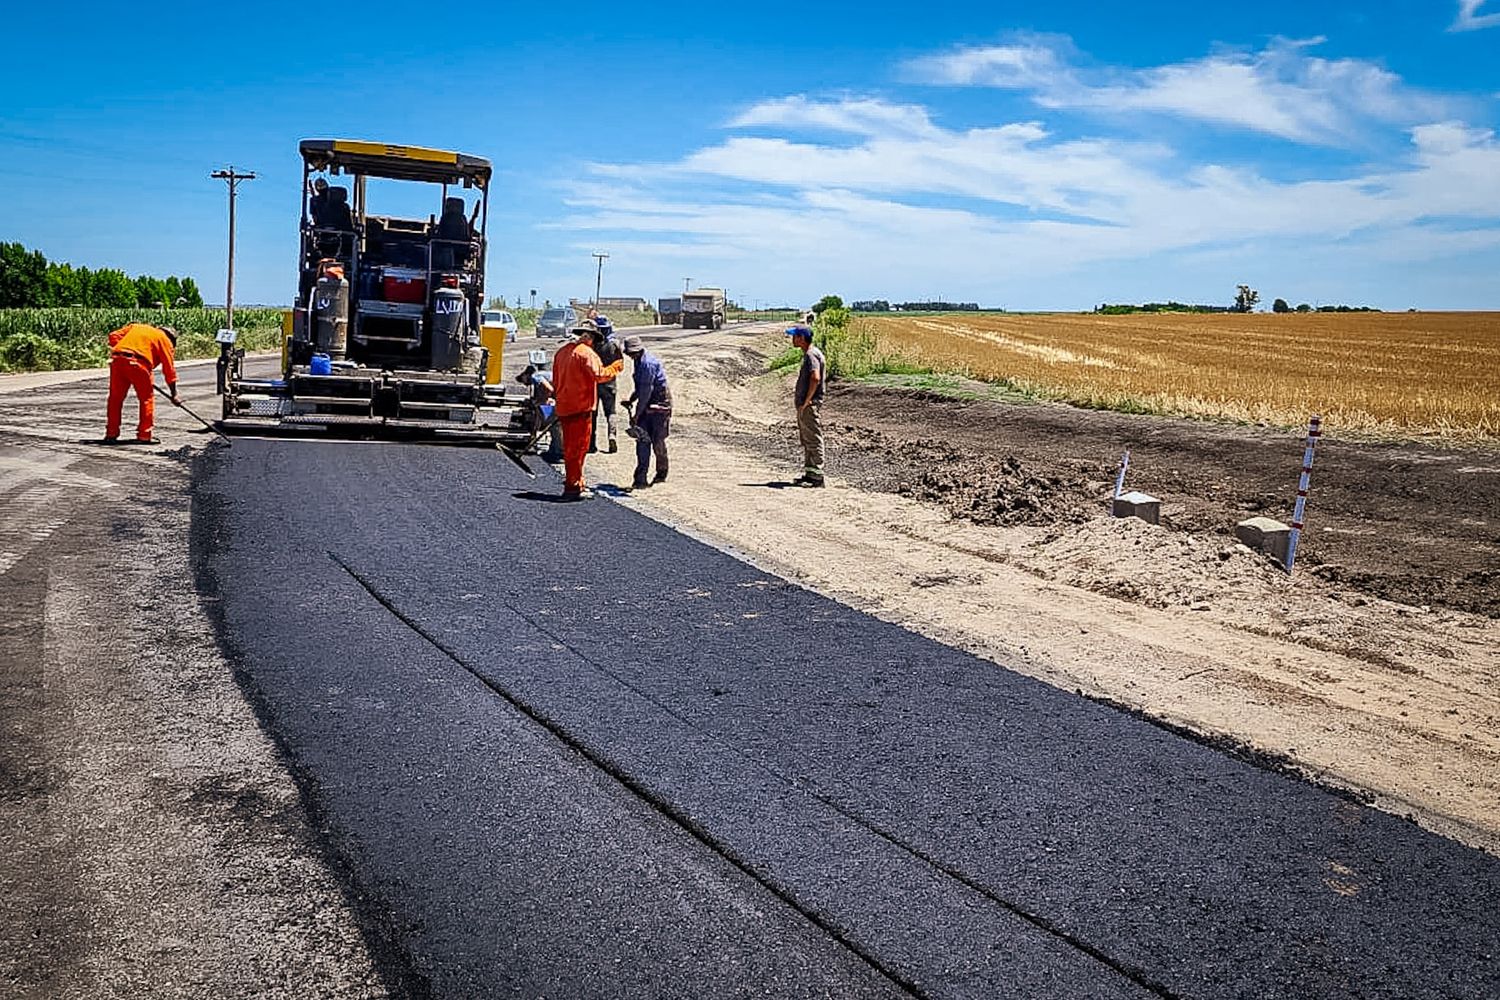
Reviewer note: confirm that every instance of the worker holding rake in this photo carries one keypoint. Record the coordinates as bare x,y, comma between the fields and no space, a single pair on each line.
135,350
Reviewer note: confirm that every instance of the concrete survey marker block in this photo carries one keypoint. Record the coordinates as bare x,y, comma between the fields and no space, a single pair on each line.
1136,504
1265,534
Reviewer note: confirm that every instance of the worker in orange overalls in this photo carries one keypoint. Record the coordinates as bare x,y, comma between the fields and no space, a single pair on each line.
576,374
135,349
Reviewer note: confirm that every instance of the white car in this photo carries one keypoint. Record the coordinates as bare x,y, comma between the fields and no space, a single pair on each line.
499,319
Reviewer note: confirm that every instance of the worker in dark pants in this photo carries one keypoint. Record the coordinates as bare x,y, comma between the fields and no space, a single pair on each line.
608,349
652,414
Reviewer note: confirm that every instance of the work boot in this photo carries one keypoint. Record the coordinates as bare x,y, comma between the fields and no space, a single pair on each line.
145,441
813,482
614,444
110,440
660,477
642,484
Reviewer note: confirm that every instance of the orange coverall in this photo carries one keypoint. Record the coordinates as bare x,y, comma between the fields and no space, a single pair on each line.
134,350
576,374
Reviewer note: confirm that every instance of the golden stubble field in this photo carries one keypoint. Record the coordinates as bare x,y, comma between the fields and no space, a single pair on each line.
1387,374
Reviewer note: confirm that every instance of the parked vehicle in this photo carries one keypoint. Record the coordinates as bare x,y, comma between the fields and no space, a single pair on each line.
703,308
669,311
557,322
499,319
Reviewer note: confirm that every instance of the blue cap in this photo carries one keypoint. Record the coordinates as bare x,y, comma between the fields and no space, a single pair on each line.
799,331
603,323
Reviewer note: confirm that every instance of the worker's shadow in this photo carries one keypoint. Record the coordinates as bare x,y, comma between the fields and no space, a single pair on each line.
539,497
775,484
598,490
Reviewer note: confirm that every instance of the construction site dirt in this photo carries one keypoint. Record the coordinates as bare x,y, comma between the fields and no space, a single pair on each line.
1404,522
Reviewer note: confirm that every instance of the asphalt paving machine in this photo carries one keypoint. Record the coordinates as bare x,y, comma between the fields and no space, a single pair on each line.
385,335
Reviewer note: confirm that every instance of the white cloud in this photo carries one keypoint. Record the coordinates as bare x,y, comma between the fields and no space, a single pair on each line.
1002,211
1469,18
1034,63
855,116
1280,90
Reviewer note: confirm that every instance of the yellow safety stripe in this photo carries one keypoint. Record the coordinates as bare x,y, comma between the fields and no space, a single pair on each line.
395,152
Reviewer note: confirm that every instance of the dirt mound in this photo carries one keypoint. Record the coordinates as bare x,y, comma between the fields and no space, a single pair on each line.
1126,557
990,490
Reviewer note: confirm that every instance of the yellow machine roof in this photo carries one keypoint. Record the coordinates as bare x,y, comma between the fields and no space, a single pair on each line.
382,159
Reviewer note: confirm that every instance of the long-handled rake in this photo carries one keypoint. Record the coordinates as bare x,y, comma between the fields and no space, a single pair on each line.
163,391
515,454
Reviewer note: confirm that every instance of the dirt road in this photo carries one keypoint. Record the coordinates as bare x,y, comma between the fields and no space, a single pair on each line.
982,523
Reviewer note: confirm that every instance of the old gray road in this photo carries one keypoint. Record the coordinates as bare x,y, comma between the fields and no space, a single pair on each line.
151,840
564,751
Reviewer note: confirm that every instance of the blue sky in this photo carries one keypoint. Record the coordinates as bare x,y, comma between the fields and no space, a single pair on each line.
1028,156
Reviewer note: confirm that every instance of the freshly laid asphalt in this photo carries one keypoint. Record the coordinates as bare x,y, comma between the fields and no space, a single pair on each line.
561,750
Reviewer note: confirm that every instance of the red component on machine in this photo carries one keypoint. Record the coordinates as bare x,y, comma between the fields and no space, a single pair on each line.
404,284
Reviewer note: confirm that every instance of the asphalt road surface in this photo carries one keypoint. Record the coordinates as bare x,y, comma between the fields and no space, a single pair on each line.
568,752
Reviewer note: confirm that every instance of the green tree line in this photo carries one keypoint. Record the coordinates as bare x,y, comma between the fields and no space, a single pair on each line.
28,280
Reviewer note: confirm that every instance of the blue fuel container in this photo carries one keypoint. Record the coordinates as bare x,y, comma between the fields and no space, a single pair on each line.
321,364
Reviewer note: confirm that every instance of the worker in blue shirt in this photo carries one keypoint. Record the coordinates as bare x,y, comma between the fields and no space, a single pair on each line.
651,414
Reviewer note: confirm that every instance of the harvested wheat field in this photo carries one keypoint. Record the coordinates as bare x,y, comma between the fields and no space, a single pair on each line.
1386,374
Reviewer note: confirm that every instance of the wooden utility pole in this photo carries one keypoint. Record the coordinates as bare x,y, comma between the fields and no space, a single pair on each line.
233,179
601,256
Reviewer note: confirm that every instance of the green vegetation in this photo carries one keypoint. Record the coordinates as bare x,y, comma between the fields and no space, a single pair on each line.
58,339
735,314
957,387
1245,302
29,280
929,306
1159,307
851,347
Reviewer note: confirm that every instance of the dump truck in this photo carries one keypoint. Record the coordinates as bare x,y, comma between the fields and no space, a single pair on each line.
385,334
703,308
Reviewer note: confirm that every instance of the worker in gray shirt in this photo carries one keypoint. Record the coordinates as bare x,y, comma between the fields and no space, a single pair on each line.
809,400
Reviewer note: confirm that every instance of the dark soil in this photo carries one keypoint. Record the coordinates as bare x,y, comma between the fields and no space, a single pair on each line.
1408,522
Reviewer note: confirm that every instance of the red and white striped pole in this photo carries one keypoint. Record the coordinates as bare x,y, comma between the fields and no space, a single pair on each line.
1314,431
